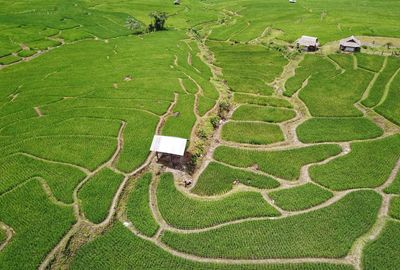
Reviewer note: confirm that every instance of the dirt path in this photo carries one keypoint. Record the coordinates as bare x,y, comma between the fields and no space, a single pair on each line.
9,234
371,84
38,111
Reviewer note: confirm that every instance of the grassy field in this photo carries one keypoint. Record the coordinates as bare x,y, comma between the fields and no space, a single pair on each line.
96,195
285,164
369,164
301,197
184,212
82,90
121,249
265,114
138,207
337,130
218,179
252,133
382,252
39,225
328,232
395,208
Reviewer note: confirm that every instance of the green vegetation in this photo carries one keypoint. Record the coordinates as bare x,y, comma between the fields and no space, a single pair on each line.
395,207
245,66
26,53
370,62
38,223
328,232
138,208
377,91
310,66
285,163
181,122
218,179
394,188
261,100
390,106
337,130
118,248
252,133
9,59
62,179
266,114
97,194
333,92
382,253
369,164
301,197
183,212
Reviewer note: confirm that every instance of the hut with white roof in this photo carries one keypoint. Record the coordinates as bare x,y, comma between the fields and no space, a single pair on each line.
350,44
168,146
308,43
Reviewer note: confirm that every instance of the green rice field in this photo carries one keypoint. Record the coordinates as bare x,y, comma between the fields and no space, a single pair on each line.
292,156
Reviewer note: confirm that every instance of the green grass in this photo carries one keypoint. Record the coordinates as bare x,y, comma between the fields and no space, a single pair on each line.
118,248
285,164
218,179
138,207
26,53
252,133
310,66
261,100
382,253
394,188
395,208
244,66
38,224
378,89
300,197
328,232
332,93
337,130
265,114
62,179
390,106
9,59
369,164
370,62
97,194
181,211
180,124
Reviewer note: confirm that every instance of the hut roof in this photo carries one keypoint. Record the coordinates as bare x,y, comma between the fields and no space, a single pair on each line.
168,145
308,41
351,42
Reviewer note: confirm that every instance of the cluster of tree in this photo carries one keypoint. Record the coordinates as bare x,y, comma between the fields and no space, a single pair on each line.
158,21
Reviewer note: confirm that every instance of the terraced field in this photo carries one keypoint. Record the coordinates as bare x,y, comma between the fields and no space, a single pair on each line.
293,157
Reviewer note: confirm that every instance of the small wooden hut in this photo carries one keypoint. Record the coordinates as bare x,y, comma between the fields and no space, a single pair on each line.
350,44
307,43
166,146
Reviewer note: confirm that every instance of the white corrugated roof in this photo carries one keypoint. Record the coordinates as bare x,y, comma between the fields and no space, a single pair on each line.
168,145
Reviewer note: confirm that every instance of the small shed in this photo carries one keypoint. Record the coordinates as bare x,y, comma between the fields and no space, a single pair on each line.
166,145
177,2
350,44
292,1
308,43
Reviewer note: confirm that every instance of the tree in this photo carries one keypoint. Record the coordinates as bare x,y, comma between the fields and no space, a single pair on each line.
132,24
159,20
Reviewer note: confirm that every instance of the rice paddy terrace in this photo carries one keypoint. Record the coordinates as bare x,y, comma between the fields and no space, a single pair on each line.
295,156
